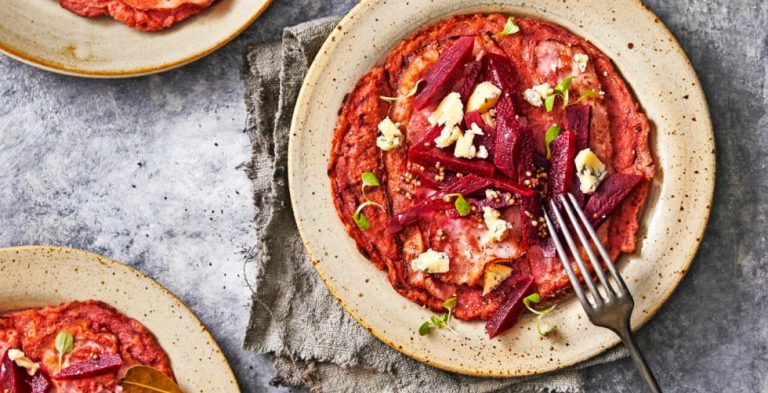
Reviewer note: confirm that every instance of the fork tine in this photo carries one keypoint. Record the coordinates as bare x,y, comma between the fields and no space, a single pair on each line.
585,243
568,269
600,249
575,253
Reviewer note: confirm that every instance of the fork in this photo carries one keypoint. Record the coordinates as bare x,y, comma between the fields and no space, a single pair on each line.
610,308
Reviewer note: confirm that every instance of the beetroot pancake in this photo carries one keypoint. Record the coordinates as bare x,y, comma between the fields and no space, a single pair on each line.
454,127
147,15
105,345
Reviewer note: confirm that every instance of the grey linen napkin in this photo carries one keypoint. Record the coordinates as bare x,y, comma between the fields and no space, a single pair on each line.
294,317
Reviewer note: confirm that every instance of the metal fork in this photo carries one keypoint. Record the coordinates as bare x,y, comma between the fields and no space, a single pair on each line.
610,307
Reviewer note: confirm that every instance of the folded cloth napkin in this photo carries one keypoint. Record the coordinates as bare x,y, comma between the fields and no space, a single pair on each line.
294,317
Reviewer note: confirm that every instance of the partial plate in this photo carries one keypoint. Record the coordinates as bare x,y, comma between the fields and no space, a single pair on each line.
37,276
672,224
43,34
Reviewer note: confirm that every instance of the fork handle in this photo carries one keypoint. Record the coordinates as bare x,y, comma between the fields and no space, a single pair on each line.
637,357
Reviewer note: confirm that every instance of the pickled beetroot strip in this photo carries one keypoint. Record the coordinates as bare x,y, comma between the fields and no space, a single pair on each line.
107,363
13,379
561,171
508,133
465,185
500,71
471,78
577,120
614,189
509,312
429,157
440,76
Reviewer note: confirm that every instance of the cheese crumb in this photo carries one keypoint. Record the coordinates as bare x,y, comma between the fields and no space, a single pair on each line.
590,170
580,62
495,275
485,96
448,136
464,145
21,360
498,229
391,137
449,113
482,152
536,94
431,261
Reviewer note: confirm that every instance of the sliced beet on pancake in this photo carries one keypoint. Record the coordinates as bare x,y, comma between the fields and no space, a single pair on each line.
444,155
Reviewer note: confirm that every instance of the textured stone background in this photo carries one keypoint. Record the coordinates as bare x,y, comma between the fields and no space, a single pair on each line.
150,171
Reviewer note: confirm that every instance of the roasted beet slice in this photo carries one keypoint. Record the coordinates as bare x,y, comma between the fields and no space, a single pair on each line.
467,84
107,363
500,72
609,195
440,76
488,139
530,206
464,185
508,185
13,379
40,383
561,170
577,118
431,156
509,312
507,146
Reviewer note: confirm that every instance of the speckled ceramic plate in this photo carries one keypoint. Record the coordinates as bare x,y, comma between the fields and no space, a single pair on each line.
43,34
37,276
672,224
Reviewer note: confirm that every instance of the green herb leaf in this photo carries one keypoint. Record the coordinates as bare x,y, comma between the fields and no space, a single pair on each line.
586,94
437,321
424,328
362,221
549,103
462,206
369,180
450,303
552,133
564,85
532,298
411,93
64,344
510,28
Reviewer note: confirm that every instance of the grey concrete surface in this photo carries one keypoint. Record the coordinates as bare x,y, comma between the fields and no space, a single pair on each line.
150,171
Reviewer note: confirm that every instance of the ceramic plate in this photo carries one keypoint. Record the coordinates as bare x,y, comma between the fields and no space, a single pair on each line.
672,224
43,34
38,276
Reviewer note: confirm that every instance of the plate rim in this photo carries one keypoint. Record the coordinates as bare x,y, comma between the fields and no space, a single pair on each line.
313,73
115,264
54,67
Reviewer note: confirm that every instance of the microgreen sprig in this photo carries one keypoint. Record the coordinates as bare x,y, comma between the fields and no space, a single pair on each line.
443,321
64,343
562,90
552,133
541,326
360,219
461,204
411,93
510,28
368,180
